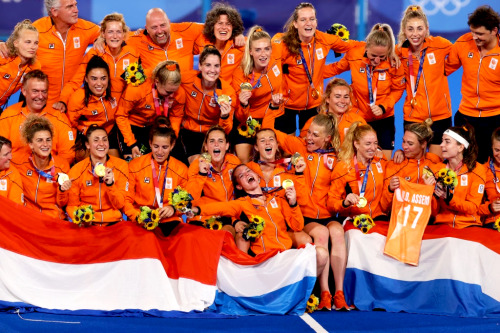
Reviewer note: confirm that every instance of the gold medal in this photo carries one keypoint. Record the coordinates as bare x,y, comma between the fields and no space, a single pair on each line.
246,86
100,169
413,102
62,177
224,98
295,158
362,202
287,183
206,156
315,93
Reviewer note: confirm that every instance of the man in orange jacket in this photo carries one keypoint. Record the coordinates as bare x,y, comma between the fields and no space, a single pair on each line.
479,53
35,87
63,40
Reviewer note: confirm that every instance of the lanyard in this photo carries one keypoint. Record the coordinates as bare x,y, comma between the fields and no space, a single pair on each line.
269,190
159,198
286,162
212,170
325,153
362,187
495,179
304,63
42,173
216,98
157,103
414,85
372,94
258,81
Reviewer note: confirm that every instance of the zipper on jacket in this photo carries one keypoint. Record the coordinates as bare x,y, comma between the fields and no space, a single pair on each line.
64,57
275,228
105,110
10,85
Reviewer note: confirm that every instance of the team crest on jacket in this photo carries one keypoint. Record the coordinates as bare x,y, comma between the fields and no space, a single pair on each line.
230,58
310,157
361,69
29,173
94,112
6,76
146,180
52,46
147,106
408,178
88,183
299,61
178,43
150,48
470,55
194,93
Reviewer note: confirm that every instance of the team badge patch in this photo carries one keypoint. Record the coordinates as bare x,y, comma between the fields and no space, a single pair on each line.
194,94
146,180
94,112
88,183
470,55
6,76
52,46
29,173
178,43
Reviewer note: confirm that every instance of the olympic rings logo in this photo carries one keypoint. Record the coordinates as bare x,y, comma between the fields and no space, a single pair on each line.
447,7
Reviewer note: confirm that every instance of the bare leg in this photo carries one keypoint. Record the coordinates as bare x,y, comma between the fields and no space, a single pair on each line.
299,238
242,244
229,228
320,235
338,256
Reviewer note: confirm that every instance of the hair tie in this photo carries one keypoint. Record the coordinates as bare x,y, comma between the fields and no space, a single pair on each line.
171,67
465,128
210,46
257,30
457,137
414,8
381,28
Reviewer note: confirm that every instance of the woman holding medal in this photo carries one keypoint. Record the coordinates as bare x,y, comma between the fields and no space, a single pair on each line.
490,209
209,101
93,104
459,207
423,60
100,180
223,29
377,86
44,175
319,148
140,105
337,100
303,51
209,176
258,78
417,165
276,175
154,176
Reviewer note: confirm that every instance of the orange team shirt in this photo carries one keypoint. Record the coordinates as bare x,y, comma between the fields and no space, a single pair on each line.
142,191
63,138
265,85
117,66
11,76
276,213
280,174
11,184
179,48
216,187
409,217
433,94
317,175
98,111
492,193
137,108
230,57
480,78
202,111
297,95
463,209
387,81
60,59
107,201
412,170
346,120
41,193
344,176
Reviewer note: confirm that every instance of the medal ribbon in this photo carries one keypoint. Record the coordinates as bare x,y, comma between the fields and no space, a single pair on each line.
269,190
212,170
325,153
157,103
156,178
258,81
286,162
495,179
372,94
42,173
362,187
414,85
306,68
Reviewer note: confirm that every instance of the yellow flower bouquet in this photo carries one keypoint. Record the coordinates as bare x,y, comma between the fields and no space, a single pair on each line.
312,304
249,128
339,30
180,199
364,223
448,178
134,74
83,215
254,229
496,225
213,223
148,218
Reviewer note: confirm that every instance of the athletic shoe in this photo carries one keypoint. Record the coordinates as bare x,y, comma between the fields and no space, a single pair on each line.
339,301
325,301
